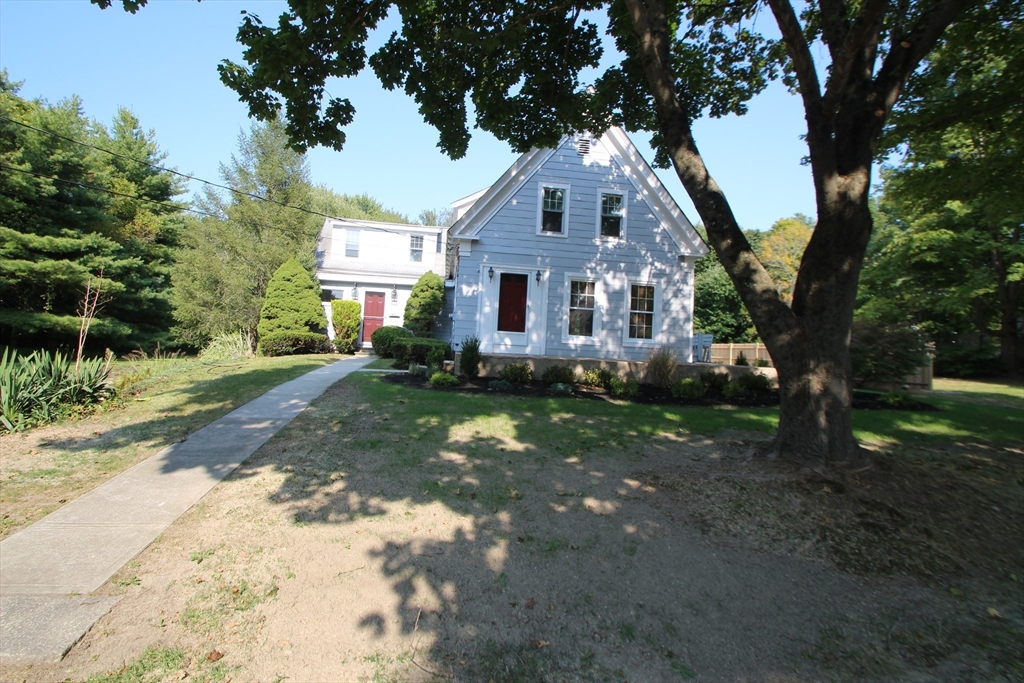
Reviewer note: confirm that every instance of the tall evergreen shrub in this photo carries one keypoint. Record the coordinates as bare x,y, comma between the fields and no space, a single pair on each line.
425,302
292,303
345,317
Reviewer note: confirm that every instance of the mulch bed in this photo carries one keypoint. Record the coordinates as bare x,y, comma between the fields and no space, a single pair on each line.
862,400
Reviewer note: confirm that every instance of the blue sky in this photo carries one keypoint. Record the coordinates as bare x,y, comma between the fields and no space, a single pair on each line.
161,63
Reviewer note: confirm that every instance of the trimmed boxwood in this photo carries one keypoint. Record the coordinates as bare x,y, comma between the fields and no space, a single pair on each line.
688,388
558,374
292,343
517,373
755,381
415,349
444,379
384,338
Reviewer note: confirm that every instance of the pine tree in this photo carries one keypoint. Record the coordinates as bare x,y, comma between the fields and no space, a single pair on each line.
425,302
292,303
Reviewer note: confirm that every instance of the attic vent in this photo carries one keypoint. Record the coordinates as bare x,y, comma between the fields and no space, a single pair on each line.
584,147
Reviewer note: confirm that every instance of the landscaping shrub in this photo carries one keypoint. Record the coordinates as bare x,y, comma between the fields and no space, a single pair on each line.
292,302
435,357
597,377
294,343
561,389
762,363
558,374
228,346
417,370
516,373
755,381
898,399
425,301
624,387
469,359
444,379
689,389
734,391
955,359
416,349
742,359
41,388
885,353
714,381
345,318
500,385
661,367
383,339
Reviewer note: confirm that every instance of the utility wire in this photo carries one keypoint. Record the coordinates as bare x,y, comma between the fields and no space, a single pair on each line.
189,177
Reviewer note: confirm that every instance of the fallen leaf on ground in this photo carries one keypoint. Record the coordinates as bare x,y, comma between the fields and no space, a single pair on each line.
214,656
530,603
994,613
540,644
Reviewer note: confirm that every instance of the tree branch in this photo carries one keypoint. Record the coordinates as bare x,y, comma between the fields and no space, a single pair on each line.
863,34
907,51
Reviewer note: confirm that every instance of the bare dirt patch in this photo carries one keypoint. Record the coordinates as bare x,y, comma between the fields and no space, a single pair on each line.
376,541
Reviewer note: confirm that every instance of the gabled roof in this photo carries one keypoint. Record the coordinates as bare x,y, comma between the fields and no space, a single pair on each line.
620,147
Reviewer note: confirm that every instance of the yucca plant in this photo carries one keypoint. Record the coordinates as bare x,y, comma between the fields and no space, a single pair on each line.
40,387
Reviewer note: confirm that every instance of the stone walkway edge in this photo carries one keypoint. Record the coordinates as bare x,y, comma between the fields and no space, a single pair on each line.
47,569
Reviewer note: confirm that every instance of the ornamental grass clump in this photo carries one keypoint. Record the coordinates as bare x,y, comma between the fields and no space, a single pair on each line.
661,367
469,358
41,388
228,346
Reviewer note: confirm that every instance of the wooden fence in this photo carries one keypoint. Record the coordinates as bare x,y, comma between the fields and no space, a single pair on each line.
728,353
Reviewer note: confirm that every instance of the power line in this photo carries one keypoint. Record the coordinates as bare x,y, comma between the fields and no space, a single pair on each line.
188,177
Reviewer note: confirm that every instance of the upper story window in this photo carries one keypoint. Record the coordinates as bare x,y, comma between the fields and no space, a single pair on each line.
553,210
351,243
439,243
612,214
416,248
641,311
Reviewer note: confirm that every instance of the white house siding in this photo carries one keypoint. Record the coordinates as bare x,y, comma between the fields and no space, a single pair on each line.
509,243
383,264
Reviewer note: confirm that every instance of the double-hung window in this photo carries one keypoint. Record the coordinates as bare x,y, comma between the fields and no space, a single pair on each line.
554,209
641,311
351,243
416,248
612,214
581,308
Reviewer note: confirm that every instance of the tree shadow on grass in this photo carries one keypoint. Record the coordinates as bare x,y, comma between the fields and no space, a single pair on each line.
554,562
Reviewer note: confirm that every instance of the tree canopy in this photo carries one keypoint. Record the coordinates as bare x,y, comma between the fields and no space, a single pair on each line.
81,203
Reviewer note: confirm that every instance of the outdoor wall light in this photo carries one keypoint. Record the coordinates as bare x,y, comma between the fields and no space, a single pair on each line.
490,273
538,277
355,291
394,294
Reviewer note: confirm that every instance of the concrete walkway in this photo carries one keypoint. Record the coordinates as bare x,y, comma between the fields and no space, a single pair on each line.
47,569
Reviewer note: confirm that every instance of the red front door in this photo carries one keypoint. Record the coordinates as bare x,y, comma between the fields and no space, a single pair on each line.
373,313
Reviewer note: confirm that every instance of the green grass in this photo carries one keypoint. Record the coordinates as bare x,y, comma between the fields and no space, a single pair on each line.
170,399
380,364
574,428
980,386
154,664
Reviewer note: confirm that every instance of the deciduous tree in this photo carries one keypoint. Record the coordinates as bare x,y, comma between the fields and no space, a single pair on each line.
520,66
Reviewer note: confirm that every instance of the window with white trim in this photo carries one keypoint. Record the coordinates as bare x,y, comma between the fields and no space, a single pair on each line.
416,248
351,243
581,308
641,311
612,214
553,210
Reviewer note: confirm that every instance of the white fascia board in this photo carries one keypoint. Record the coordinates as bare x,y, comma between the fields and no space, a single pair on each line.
650,188
461,206
409,228
494,198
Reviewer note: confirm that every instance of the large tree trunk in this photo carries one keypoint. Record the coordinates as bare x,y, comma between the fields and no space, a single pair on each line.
809,342
1011,297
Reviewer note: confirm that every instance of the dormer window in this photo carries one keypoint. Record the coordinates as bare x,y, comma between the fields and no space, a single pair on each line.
554,207
351,243
416,248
